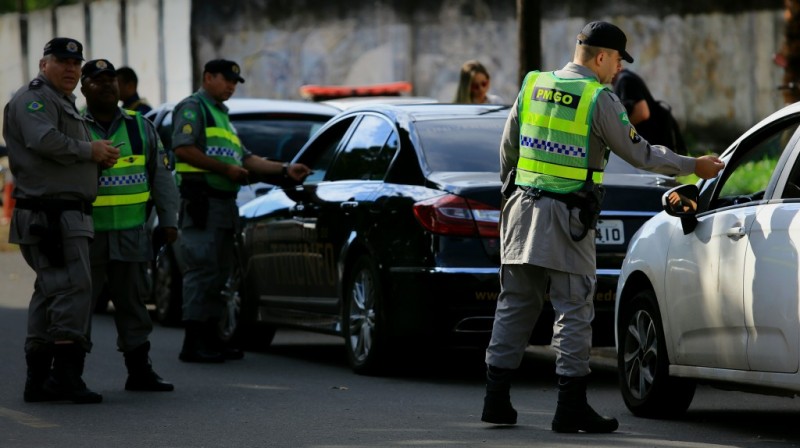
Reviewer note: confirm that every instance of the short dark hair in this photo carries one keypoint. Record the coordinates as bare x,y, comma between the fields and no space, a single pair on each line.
126,75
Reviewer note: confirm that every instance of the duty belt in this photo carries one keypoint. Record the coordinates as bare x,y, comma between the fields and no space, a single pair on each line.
572,200
192,187
53,205
589,205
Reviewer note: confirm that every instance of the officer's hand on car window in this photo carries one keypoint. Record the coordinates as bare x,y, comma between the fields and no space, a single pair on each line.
708,166
237,174
298,171
104,153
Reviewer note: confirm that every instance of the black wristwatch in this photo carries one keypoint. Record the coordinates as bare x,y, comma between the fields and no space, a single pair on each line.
285,171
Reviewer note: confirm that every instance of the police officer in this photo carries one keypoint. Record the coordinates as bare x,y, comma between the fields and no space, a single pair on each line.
556,141
128,91
55,165
212,164
122,249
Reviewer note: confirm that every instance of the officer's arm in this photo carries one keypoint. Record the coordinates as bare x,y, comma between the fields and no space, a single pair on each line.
612,126
163,189
188,138
640,112
37,118
509,143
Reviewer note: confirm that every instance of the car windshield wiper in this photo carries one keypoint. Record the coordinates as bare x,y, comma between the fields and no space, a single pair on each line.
495,109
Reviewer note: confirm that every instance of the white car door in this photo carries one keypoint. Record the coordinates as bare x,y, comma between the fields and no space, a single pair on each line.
711,271
705,305
771,289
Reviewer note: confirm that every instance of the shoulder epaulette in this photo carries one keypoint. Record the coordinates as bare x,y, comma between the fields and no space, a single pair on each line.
36,84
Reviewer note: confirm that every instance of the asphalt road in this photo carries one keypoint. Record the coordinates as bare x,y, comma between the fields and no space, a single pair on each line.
301,393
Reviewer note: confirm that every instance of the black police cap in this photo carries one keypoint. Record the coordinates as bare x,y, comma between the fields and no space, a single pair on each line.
95,67
229,69
605,35
65,48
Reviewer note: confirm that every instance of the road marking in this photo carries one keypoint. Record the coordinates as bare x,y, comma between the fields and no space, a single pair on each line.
26,419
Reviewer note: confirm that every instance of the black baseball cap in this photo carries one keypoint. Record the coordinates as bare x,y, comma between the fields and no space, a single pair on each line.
95,67
229,69
65,48
605,35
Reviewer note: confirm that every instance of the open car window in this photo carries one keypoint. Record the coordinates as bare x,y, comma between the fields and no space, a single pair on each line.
749,171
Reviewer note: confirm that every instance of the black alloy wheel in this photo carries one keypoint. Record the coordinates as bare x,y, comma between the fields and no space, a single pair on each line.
643,365
363,319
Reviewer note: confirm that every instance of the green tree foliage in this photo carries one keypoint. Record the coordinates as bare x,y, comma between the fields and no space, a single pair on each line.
31,5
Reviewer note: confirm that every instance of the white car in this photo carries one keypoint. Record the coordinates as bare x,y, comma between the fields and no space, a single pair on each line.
708,291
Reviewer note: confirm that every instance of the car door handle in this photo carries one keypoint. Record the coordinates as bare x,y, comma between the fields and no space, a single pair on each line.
736,232
349,205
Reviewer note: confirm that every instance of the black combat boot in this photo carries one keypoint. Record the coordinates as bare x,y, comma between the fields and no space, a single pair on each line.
141,376
40,361
65,380
497,407
194,347
573,413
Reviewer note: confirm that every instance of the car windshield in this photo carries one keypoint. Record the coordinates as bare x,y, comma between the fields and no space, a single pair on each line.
274,137
462,144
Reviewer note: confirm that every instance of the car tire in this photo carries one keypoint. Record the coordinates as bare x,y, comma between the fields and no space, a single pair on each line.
167,288
643,364
362,318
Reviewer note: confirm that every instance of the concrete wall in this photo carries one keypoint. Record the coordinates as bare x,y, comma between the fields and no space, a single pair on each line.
710,59
151,36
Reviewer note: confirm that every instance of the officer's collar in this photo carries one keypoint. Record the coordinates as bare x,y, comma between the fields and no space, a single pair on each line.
211,100
584,71
120,113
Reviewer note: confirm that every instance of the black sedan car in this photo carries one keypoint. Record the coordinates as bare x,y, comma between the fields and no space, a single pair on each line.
393,239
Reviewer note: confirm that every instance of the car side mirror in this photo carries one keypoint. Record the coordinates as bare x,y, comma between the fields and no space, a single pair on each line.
681,202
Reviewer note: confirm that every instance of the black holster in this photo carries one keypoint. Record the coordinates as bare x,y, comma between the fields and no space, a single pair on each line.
196,206
195,193
589,205
590,210
51,240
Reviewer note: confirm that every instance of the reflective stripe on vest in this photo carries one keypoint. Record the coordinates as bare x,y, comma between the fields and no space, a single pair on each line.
555,122
123,190
222,144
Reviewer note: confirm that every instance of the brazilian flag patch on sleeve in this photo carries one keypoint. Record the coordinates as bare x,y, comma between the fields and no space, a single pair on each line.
35,106
623,117
189,115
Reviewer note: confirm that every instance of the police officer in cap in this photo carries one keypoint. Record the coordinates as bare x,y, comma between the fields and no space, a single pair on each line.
212,164
121,251
552,156
55,165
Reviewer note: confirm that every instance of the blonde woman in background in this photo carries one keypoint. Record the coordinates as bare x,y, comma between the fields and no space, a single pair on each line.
473,85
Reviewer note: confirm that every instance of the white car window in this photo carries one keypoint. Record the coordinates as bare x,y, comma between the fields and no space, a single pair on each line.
748,174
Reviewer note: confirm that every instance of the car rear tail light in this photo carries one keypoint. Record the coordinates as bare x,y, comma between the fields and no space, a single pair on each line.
457,216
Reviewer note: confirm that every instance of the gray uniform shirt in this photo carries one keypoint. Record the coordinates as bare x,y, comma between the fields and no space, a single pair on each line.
538,232
50,155
188,126
134,244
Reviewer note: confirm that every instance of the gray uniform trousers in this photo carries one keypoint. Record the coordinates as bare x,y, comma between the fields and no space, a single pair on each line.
206,258
129,286
61,305
519,305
